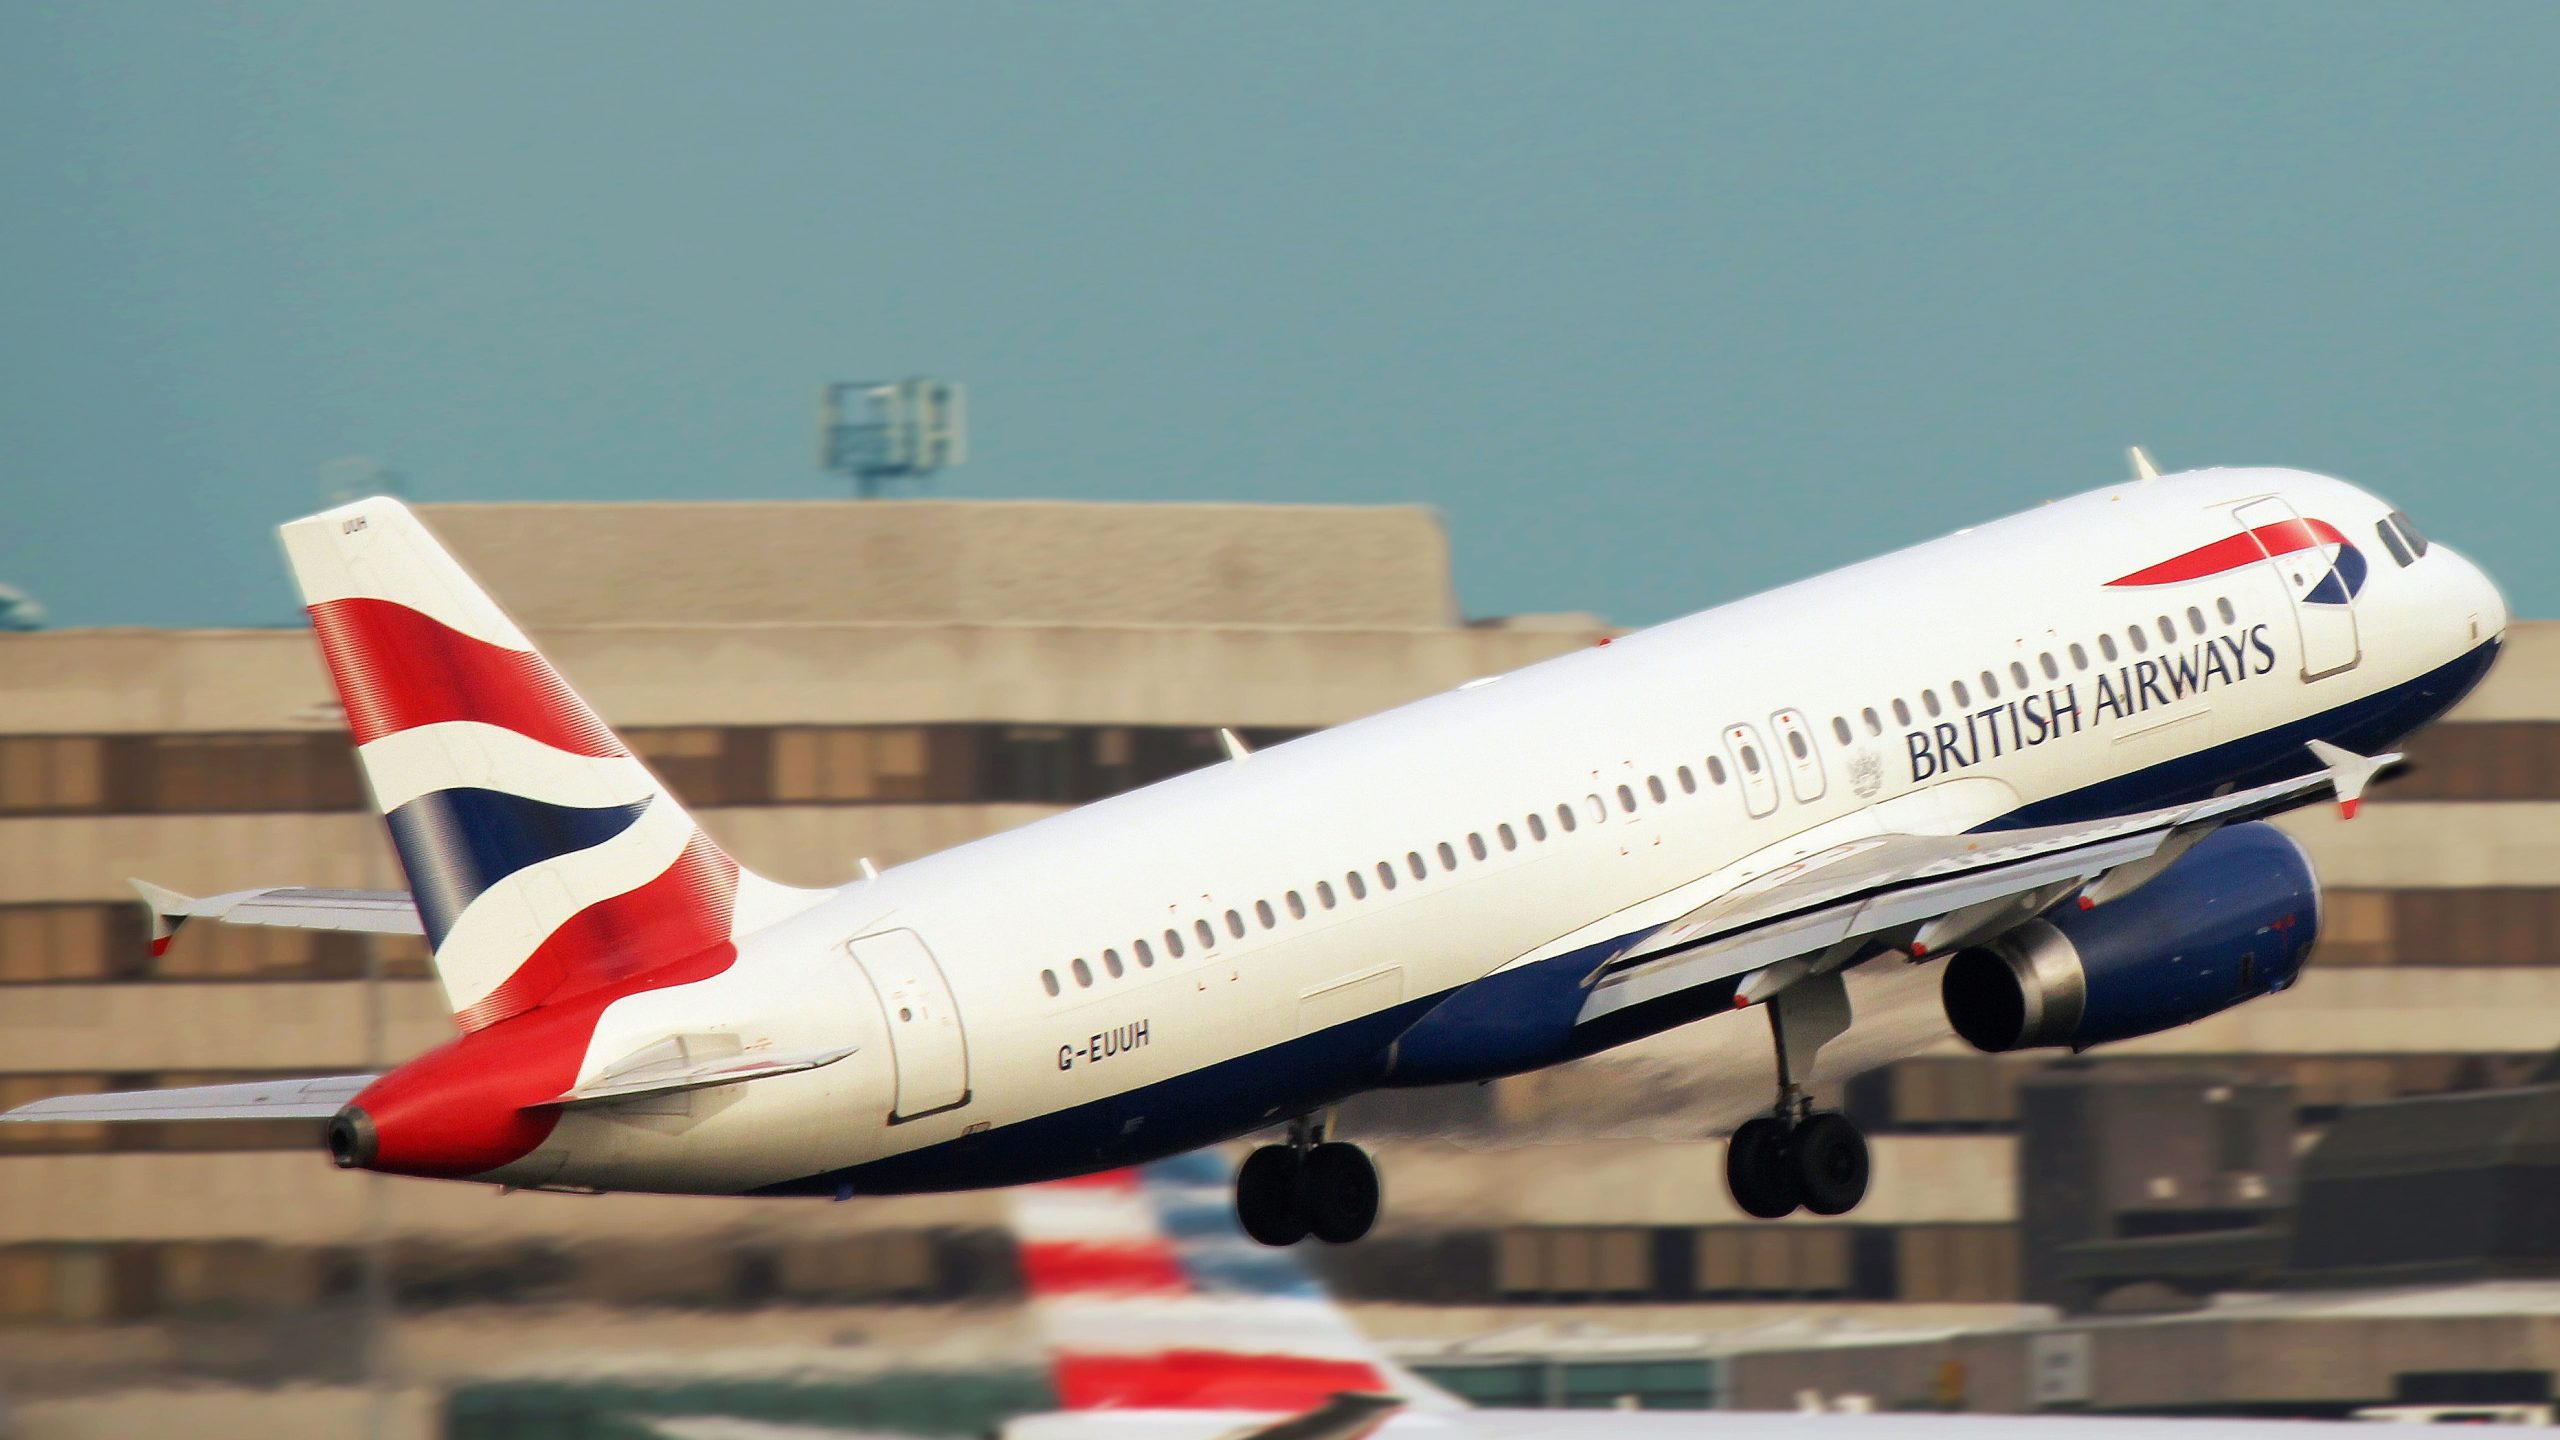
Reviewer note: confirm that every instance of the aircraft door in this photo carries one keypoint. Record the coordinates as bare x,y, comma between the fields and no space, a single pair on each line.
1753,768
2321,573
1800,755
926,1044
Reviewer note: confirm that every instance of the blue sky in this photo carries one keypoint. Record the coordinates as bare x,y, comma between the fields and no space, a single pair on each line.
1657,304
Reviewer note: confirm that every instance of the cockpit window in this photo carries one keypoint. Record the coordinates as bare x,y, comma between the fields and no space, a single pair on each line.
2392,542
2409,532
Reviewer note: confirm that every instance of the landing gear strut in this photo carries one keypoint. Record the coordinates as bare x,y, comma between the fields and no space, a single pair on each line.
1797,1156
1307,1186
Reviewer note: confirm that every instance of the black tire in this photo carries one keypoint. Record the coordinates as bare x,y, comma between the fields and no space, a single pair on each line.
1267,1202
1339,1193
1760,1171
1830,1164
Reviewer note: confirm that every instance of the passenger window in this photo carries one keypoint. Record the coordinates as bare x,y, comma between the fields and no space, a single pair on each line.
2141,642
1475,844
2168,631
1537,826
1262,912
2079,657
1324,893
1386,876
1715,769
1173,943
1990,686
1448,857
1111,964
1901,713
1297,907
1840,728
1359,888
1929,702
2051,670
1797,745
1688,780
2391,541
1750,760
1599,811
2223,608
1874,722
2107,646
1964,697
2195,621
2018,673
1564,817
1626,799
1049,982
1413,861
1509,840
1084,973
1208,937
1653,784
1235,924
1146,955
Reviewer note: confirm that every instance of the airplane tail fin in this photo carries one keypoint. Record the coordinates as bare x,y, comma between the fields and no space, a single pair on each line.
544,857
1150,1297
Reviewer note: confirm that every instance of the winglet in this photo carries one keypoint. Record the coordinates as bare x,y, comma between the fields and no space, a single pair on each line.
2350,772
168,908
2143,469
1236,748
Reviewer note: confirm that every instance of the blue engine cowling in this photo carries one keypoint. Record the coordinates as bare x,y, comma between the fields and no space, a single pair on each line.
2228,921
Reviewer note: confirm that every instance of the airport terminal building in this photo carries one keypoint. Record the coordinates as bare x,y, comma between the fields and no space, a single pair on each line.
888,678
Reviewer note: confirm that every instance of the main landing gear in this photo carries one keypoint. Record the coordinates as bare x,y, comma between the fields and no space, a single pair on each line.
1308,1186
1797,1156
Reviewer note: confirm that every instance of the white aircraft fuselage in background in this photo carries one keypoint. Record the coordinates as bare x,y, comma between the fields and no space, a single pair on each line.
1908,757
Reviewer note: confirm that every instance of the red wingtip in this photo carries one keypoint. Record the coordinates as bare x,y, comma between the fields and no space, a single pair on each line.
2088,904
1919,951
1741,1002
2347,808
160,946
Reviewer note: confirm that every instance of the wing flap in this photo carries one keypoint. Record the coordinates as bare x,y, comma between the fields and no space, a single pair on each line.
317,1098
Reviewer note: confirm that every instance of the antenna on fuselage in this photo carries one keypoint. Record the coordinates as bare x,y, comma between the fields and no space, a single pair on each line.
2143,469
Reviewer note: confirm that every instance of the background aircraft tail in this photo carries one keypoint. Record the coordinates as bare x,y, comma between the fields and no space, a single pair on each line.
544,858
1151,1298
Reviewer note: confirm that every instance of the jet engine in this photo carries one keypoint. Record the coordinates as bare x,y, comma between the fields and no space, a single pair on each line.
2228,921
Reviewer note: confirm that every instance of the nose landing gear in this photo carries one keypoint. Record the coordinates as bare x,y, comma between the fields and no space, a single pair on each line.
1796,1156
1307,1186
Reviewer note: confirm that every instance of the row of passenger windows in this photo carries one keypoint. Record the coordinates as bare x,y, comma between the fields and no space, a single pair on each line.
2136,636
1534,828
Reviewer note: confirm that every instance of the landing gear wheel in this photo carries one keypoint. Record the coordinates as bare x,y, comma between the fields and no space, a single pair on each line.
1267,1201
1830,1164
1338,1192
1760,1169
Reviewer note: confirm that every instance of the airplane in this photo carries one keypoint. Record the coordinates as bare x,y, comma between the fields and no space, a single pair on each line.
1159,1319
2038,753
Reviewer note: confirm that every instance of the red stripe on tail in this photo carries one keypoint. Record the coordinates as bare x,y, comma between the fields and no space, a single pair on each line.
685,911
397,669
1052,1268
1209,1380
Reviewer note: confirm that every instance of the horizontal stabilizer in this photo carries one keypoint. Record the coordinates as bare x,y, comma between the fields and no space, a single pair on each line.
312,1099
689,1062
298,907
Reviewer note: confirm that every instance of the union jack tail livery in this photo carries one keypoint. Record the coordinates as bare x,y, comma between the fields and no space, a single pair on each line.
545,859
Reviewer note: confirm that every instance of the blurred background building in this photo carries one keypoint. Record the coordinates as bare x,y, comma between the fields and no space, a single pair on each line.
890,678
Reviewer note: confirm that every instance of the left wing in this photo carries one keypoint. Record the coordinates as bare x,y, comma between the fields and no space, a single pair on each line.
313,1099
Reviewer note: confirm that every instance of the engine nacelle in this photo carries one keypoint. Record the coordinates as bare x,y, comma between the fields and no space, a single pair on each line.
2228,921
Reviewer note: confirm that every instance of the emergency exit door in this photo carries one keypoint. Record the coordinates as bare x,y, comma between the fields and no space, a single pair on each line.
926,1043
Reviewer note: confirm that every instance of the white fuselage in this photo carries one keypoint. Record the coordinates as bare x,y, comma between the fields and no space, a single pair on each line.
1009,1076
